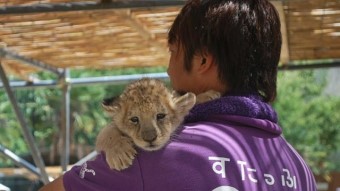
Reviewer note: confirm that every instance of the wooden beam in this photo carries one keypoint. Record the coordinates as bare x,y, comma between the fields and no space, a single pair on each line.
284,59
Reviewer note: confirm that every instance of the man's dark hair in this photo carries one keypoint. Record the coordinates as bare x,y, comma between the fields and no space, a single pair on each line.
243,36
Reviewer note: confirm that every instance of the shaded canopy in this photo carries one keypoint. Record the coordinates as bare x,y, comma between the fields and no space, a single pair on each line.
134,33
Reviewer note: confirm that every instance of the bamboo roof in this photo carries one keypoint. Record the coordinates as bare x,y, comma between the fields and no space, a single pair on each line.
137,36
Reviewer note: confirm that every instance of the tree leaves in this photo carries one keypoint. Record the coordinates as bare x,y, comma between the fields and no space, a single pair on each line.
309,118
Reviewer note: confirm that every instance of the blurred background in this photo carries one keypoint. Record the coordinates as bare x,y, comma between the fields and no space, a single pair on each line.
60,58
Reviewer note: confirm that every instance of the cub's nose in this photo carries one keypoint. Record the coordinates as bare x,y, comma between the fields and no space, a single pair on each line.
149,135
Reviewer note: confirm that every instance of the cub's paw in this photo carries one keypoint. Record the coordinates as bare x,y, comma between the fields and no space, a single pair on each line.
121,156
207,96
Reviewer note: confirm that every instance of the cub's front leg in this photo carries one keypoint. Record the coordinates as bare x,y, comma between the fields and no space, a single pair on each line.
119,149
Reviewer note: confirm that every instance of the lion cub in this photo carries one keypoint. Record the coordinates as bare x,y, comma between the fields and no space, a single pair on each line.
144,115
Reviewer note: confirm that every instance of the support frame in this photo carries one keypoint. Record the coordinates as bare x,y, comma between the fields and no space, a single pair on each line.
25,128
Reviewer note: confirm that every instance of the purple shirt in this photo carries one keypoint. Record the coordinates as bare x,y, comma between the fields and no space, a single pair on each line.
229,144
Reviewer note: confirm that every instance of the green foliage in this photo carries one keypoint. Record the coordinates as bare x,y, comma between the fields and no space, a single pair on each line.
38,108
310,119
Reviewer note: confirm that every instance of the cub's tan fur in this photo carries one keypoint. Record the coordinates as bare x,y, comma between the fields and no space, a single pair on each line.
144,115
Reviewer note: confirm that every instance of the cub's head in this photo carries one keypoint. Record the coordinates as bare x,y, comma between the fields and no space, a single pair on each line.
148,112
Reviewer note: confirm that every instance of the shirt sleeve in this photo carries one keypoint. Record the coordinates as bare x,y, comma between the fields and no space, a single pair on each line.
96,175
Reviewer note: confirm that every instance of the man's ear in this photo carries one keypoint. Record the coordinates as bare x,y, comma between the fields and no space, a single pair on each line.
205,63
110,104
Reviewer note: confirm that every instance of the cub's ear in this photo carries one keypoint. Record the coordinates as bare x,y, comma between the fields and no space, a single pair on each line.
174,94
109,101
184,103
110,104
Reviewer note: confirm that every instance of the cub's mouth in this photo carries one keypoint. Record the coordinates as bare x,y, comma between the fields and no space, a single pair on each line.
151,147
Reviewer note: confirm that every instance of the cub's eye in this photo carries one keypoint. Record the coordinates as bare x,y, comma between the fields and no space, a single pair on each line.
134,120
160,116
